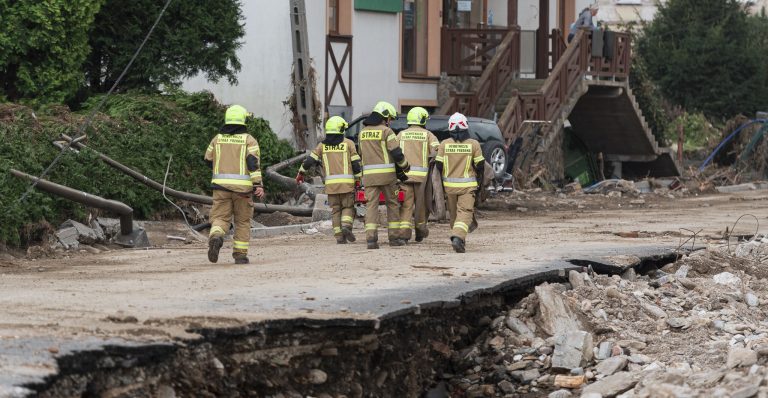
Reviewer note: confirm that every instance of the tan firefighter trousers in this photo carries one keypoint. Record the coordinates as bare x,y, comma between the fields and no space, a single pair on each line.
343,210
413,212
461,208
225,205
372,211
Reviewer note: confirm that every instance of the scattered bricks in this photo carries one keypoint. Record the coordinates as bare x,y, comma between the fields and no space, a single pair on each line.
571,382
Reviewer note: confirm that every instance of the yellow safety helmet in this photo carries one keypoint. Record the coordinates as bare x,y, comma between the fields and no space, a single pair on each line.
418,115
336,125
385,109
236,114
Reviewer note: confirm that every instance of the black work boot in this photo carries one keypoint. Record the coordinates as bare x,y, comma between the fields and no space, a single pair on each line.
214,245
421,234
397,242
341,239
240,258
347,232
372,244
458,244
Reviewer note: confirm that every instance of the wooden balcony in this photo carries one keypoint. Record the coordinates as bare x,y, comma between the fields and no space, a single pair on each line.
467,52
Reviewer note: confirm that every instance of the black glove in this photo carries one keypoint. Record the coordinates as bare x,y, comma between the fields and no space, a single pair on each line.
401,173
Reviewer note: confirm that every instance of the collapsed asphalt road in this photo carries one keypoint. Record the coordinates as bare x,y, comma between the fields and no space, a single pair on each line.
117,304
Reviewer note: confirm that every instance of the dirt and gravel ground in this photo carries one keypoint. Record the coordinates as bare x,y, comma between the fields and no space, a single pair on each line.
157,294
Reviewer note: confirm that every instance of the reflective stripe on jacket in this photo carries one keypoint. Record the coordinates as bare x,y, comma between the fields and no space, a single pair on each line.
229,154
459,159
375,144
418,144
337,165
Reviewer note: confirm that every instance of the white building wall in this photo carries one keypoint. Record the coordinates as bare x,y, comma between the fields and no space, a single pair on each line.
376,63
497,10
266,55
618,12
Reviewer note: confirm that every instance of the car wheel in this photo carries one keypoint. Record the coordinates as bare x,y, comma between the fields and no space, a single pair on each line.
497,158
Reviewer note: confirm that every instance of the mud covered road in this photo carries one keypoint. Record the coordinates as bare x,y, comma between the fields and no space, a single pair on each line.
50,307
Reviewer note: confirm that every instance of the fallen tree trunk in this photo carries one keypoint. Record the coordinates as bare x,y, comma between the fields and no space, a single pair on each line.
273,173
191,197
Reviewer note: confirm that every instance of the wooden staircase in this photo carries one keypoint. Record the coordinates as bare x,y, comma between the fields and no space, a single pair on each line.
588,88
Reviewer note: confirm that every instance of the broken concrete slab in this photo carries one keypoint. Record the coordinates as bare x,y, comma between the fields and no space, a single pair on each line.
111,226
516,325
67,237
613,385
85,235
611,365
555,316
100,234
740,357
322,210
572,350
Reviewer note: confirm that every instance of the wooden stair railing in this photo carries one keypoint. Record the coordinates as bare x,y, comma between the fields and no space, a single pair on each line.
467,52
487,90
575,63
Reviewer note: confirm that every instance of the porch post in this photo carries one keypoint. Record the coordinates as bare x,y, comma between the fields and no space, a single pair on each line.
542,41
512,12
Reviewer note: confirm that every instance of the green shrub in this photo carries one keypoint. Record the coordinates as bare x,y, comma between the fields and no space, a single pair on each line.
138,130
699,132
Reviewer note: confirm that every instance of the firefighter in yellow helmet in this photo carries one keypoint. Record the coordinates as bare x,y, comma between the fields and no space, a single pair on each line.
461,163
383,164
418,145
341,167
234,157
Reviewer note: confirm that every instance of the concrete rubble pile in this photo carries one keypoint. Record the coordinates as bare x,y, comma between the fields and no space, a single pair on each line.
697,327
73,235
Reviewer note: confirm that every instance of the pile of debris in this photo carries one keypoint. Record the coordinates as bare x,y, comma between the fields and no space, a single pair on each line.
73,235
694,328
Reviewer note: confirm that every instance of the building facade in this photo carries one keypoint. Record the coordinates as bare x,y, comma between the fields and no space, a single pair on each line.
365,51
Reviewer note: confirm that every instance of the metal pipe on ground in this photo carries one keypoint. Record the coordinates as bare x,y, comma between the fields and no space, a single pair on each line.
130,237
288,182
191,197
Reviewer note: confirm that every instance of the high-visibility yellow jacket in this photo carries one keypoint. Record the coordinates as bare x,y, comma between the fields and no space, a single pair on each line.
340,165
235,162
459,161
418,144
380,150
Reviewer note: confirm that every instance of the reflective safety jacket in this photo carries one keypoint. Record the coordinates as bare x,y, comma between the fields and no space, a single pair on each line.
380,150
235,162
418,144
459,161
340,165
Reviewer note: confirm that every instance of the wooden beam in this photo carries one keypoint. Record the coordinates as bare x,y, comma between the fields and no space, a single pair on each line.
512,12
542,41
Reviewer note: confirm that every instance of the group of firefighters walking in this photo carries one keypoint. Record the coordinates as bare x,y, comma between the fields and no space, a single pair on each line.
387,162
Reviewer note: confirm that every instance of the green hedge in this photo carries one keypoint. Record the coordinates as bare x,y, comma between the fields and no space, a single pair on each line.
138,130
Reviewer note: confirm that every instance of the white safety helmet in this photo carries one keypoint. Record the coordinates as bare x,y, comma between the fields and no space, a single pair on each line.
457,122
